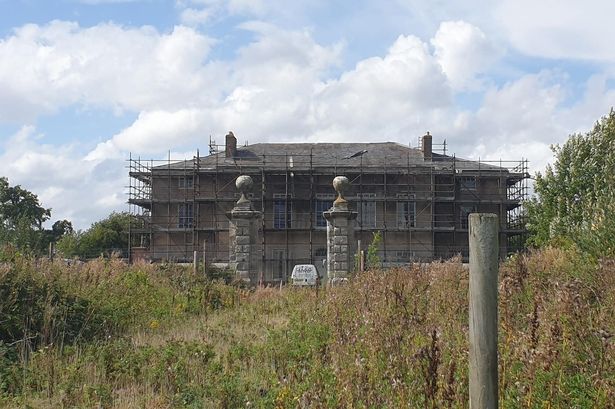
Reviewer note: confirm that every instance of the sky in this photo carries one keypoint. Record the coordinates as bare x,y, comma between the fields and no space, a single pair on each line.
86,83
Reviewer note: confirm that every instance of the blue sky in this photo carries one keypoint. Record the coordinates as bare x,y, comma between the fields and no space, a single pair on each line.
85,82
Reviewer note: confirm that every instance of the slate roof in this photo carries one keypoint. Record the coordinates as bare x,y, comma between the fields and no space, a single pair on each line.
327,155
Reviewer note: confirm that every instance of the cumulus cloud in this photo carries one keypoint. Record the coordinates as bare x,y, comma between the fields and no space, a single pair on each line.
463,51
153,132
522,110
516,120
282,92
523,118
45,68
389,95
279,89
74,188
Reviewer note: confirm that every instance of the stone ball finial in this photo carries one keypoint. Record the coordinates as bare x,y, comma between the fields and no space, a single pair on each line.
244,184
341,185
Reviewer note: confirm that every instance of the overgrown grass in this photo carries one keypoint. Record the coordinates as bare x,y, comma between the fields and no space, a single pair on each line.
148,336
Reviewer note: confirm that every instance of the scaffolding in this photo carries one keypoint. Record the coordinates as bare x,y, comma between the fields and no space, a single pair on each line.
420,209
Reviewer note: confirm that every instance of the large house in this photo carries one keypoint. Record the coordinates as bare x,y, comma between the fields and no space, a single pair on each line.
418,200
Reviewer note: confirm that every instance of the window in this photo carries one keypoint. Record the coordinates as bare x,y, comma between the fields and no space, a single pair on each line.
404,256
406,211
467,182
185,215
278,263
323,203
368,211
464,212
186,182
282,211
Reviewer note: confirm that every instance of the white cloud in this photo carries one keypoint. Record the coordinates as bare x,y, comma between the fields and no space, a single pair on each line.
193,17
280,92
270,85
596,101
517,120
75,189
45,68
151,133
253,7
463,51
560,28
198,12
522,118
399,93
522,110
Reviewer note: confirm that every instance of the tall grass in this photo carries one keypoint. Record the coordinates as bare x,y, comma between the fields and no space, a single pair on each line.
396,338
399,338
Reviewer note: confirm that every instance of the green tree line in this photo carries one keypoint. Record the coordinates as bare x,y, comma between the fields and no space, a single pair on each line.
574,199
104,238
22,219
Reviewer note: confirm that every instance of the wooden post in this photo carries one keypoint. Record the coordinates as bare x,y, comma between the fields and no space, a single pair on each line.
195,261
362,260
50,251
204,262
359,255
483,295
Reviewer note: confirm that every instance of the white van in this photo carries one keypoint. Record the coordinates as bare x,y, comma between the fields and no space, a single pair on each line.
304,275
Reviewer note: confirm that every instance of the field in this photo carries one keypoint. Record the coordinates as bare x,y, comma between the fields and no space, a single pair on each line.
104,334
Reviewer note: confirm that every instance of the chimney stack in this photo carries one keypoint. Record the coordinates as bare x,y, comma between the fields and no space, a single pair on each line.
231,145
427,145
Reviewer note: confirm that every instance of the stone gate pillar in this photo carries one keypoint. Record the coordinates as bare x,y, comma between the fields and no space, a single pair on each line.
341,246
245,246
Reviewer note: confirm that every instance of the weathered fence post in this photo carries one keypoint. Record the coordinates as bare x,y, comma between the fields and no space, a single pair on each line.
483,297
195,261
205,257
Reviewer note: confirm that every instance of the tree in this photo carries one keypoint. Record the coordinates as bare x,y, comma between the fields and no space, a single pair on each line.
61,228
18,205
104,237
575,198
22,218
